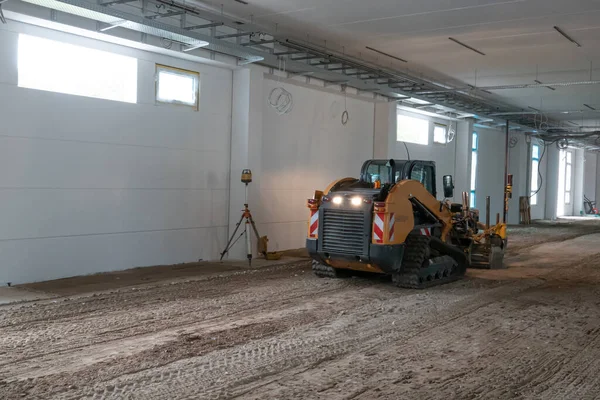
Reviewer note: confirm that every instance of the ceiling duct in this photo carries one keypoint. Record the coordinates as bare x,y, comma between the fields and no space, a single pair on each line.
138,23
323,64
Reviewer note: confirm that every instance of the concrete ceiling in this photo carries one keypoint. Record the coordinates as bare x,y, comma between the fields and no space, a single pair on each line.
517,37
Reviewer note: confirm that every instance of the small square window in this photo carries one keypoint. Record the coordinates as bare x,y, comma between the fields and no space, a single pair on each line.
440,134
177,86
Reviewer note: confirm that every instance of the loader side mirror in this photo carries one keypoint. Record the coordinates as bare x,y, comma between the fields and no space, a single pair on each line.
448,185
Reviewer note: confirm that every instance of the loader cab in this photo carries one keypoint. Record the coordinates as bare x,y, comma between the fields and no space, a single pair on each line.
393,171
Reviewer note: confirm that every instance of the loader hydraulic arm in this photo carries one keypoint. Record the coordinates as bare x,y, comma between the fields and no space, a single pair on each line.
408,193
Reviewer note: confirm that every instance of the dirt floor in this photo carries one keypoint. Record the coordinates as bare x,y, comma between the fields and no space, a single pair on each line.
528,332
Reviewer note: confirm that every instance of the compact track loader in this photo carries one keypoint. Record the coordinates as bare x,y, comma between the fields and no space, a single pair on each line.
389,221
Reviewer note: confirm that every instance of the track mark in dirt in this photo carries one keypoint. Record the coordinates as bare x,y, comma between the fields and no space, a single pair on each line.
203,377
282,333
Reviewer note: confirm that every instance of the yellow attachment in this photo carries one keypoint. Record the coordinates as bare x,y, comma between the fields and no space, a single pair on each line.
499,230
246,176
274,255
398,203
356,266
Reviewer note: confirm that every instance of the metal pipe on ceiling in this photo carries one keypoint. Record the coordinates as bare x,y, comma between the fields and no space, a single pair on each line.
519,86
265,57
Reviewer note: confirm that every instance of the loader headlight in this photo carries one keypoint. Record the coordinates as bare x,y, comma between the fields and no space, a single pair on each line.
337,200
356,201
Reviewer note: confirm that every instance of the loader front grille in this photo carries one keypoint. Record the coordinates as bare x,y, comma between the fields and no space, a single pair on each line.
343,231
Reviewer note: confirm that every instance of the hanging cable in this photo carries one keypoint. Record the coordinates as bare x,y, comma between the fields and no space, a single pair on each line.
345,115
279,98
450,133
407,152
540,177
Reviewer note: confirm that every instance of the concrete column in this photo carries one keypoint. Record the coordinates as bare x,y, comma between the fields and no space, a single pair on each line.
589,179
597,199
519,166
551,181
246,149
384,130
579,171
462,167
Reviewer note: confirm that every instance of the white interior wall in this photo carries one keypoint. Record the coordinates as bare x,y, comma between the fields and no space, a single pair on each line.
578,181
538,211
597,181
589,179
570,208
444,155
91,185
551,182
303,151
490,172
519,166
97,185
462,160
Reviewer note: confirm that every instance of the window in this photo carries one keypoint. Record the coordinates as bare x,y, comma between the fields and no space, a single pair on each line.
568,176
53,66
535,173
379,172
177,86
474,148
412,130
425,175
440,134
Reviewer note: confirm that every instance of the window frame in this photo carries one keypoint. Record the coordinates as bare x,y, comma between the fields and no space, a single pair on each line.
427,169
445,127
77,65
182,72
473,183
533,195
426,136
568,177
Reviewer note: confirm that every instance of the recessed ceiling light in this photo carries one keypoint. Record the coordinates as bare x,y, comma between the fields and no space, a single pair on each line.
467,46
569,38
386,54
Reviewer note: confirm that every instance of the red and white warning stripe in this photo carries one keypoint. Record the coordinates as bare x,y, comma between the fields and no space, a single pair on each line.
426,231
392,222
314,223
378,227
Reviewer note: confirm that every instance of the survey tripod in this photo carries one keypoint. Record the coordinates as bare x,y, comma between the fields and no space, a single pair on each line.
248,224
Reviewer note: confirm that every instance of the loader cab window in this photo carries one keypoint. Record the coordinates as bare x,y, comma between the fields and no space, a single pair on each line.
425,175
379,171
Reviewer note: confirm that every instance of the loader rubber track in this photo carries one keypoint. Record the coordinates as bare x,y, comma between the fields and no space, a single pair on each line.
416,271
325,271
